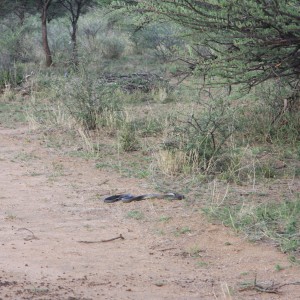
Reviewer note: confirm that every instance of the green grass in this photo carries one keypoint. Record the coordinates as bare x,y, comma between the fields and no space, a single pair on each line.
201,264
165,218
135,214
182,230
12,113
279,222
132,166
279,268
149,126
195,251
24,157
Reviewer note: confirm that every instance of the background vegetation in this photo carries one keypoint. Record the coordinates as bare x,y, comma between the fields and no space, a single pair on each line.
182,93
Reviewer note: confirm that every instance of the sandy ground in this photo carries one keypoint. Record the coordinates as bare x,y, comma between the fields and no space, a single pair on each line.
50,202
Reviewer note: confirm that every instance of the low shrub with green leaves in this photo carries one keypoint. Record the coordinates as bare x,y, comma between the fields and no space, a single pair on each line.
203,134
112,47
88,100
12,75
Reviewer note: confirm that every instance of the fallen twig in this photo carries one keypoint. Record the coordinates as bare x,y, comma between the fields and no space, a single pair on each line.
104,182
166,249
29,238
273,288
103,241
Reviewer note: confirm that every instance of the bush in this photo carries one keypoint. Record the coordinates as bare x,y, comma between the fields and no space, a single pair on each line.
217,134
271,116
112,47
12,75
203,135
87,100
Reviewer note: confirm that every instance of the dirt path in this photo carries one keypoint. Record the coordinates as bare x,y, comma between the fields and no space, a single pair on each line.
49,202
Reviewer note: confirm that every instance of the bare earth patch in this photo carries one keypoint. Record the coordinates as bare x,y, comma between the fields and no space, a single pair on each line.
51,202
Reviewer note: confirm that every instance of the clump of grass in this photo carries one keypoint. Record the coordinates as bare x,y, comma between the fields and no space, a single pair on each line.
10,217
279,222
149,126
195,251
128,138
164,218
201,264
135,214
11,112
23,156
182,230
113,47
279,268
174,162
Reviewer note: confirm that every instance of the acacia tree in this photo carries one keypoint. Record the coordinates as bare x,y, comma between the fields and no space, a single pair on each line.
74,9
43,6
18,8
249,41
48,10
13,14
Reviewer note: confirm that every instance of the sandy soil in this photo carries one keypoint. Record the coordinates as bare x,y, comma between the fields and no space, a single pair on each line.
50,202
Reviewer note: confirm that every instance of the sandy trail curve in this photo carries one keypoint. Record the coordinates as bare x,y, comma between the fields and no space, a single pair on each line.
50,201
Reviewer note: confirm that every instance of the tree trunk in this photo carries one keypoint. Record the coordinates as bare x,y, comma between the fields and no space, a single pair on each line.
74,44
46,47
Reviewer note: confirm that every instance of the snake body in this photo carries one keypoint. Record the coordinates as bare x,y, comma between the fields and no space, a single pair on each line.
126,198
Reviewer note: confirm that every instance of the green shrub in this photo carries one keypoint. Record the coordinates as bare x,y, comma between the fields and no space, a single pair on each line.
271,115
82,96
87,101
112,47
12,75
203,135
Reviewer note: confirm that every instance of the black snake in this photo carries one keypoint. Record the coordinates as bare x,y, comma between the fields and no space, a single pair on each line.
126,198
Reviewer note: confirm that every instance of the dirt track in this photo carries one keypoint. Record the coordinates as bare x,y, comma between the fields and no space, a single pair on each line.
50,201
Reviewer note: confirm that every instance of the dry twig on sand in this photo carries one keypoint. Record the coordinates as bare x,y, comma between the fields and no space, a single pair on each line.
273,288
103,241
31,237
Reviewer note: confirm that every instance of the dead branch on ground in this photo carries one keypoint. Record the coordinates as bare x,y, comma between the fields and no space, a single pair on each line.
273,288
102,241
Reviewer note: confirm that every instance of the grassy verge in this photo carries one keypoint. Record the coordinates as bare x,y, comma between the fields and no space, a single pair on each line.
278,222
12,113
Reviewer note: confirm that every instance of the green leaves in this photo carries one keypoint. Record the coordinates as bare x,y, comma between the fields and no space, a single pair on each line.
252,41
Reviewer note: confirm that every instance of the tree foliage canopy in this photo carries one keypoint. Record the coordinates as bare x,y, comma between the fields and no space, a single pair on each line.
249,41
